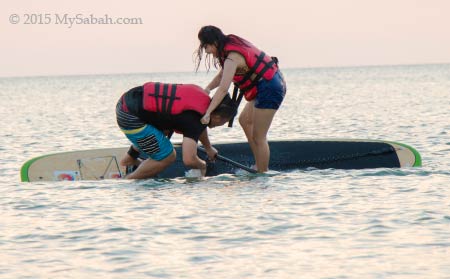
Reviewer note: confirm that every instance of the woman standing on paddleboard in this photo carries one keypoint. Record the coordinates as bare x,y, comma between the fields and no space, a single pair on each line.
255,74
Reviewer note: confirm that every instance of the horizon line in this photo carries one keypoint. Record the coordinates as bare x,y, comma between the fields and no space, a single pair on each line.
214,70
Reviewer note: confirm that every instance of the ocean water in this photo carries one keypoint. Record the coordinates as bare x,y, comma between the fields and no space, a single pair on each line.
374,223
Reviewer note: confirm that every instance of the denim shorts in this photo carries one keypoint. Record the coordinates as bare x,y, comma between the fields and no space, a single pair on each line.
270,92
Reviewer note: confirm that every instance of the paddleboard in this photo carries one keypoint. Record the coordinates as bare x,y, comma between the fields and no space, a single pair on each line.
98,164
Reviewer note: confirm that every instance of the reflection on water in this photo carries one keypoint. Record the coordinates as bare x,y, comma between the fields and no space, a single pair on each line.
377,223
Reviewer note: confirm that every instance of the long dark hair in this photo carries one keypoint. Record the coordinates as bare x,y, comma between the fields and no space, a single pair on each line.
210,35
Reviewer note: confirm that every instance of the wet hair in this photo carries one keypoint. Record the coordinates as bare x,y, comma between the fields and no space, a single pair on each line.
211,35
227,108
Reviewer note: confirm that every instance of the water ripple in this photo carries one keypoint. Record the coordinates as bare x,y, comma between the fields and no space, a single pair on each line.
303,223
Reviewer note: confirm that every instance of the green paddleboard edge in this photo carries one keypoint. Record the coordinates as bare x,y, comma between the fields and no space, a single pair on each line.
418,157
26,166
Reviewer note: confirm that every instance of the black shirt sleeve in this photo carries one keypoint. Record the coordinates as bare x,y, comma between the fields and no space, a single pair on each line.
188,123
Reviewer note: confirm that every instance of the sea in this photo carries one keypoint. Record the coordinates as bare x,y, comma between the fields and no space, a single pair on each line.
305,223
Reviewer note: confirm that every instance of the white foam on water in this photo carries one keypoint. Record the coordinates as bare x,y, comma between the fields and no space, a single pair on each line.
193,173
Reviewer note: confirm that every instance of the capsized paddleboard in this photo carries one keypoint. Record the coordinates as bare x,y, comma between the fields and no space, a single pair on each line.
98,164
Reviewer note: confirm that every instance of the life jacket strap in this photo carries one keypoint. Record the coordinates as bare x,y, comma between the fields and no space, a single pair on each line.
236,98
165,96
252,71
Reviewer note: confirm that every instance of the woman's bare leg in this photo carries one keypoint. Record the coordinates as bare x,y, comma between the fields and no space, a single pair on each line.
256,123
262,119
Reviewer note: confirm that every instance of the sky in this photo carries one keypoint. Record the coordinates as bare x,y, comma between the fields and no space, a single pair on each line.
301,33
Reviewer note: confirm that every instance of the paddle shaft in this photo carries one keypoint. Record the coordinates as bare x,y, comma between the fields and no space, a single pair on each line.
229,161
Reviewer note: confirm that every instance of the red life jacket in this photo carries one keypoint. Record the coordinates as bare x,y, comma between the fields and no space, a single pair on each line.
174,98
260,64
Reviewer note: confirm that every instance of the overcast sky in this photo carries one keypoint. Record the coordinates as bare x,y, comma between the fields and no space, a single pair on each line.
301,33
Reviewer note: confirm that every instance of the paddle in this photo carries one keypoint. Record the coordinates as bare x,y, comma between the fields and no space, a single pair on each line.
229,161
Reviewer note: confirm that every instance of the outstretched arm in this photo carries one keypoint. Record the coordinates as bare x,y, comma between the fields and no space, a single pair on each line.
228,71
210,150
214,83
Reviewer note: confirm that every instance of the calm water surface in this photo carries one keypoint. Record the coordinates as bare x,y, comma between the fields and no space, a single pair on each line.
376,223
